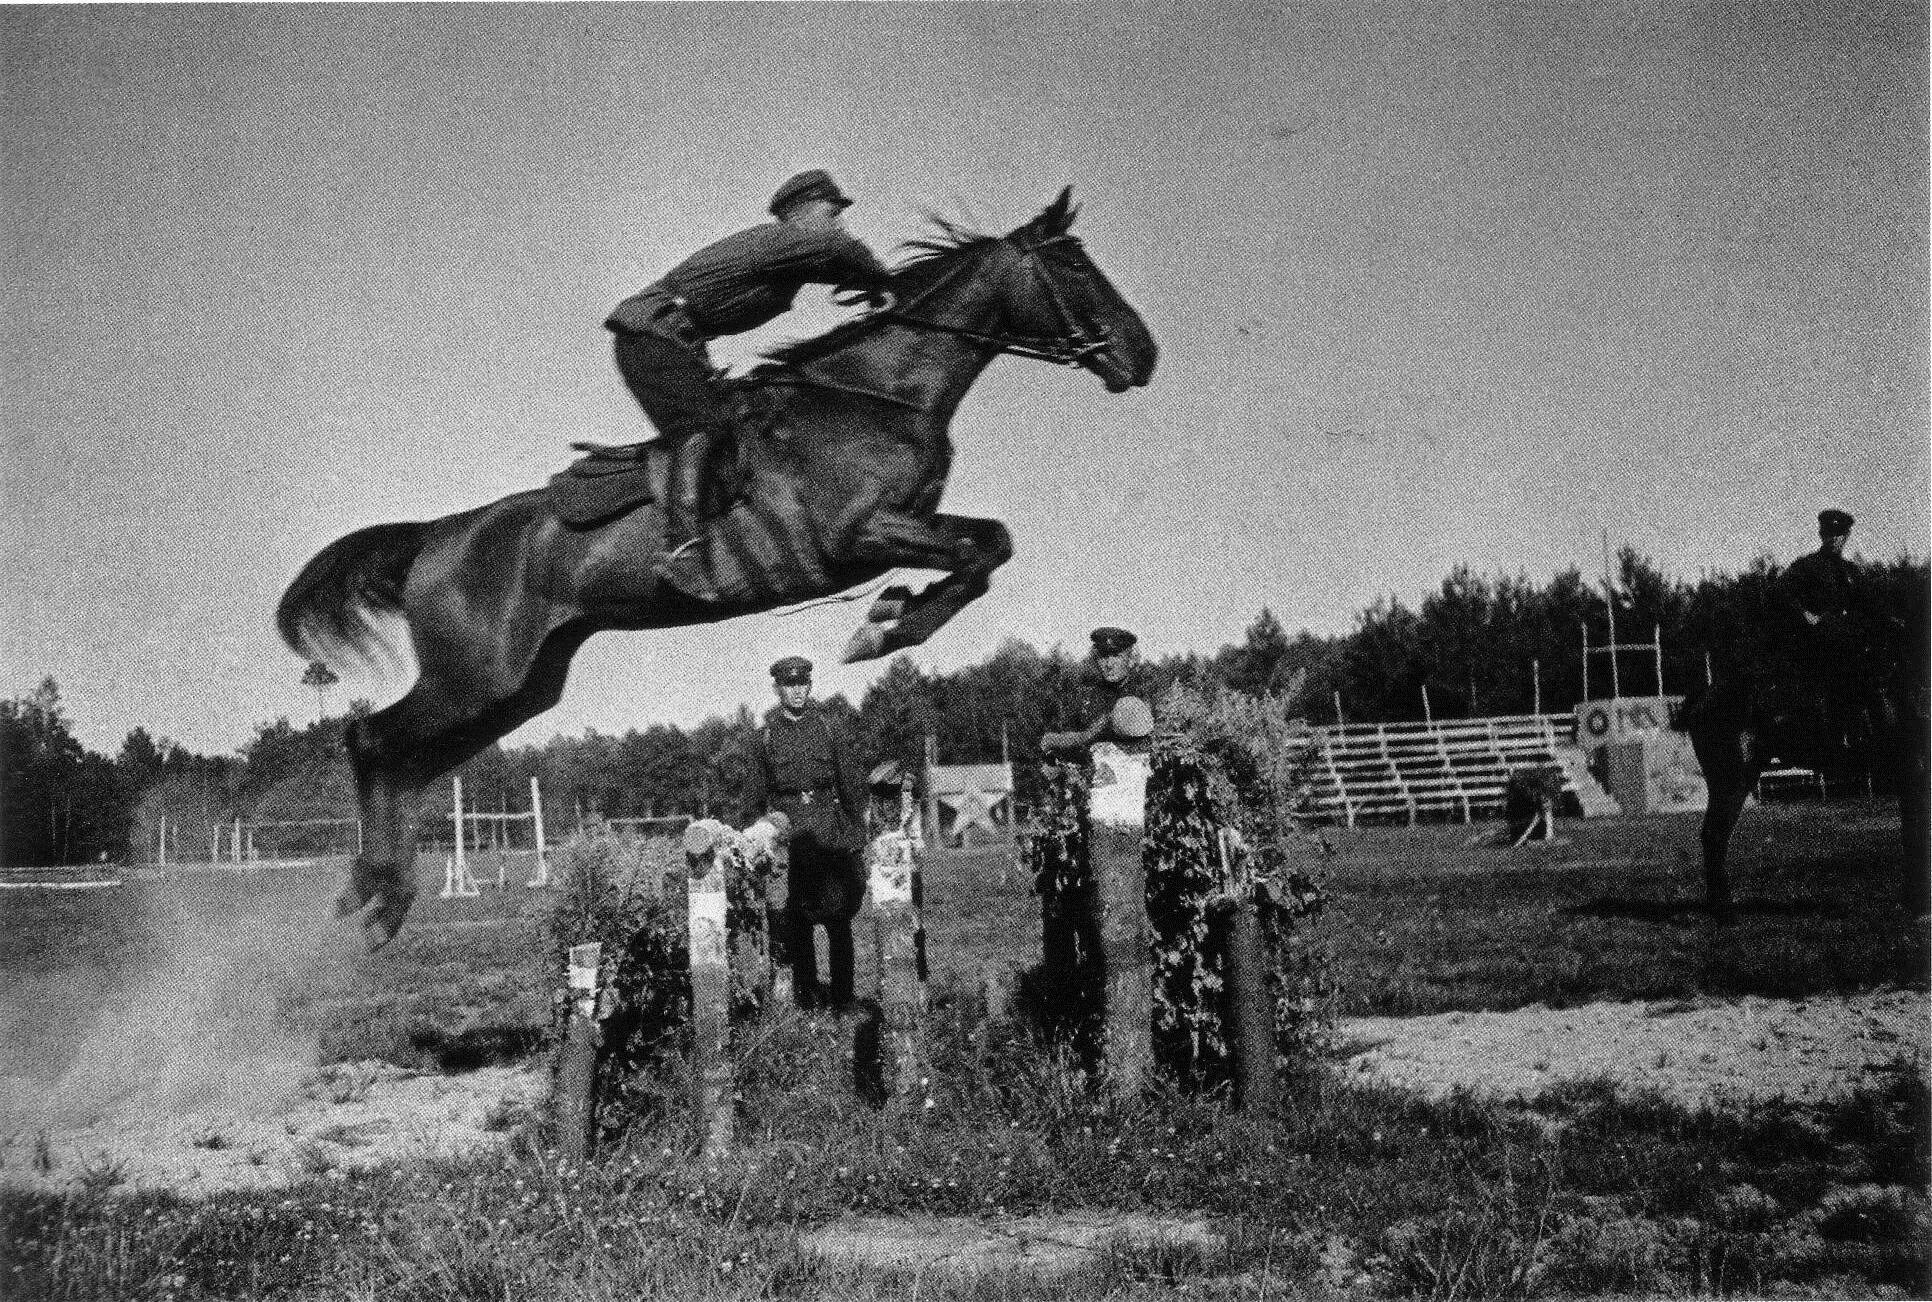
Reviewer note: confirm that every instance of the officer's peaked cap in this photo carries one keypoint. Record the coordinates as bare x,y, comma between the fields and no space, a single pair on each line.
1112,641
814,184
791,670
1833,521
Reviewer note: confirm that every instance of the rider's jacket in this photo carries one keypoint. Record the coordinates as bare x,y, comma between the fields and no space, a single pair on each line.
1822,584
744,280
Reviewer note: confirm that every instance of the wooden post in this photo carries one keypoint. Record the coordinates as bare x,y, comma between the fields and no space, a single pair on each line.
1536,687
1117,815
456,825
577,1068
932,797
1251,1014
543,852
238,839
711,1074
893,863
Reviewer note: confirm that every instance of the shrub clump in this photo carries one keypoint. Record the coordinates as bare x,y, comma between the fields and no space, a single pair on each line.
1222,762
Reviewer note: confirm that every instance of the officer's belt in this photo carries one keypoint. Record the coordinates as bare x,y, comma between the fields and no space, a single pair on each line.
809,796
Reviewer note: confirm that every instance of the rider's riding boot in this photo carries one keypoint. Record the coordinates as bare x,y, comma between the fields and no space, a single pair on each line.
683,562
684,511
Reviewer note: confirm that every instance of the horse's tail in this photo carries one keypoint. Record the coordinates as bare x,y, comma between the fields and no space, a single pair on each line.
333,604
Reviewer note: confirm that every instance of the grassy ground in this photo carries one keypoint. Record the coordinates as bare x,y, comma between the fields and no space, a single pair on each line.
1345,1191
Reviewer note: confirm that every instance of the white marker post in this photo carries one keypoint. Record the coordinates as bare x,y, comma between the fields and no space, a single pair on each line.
542,879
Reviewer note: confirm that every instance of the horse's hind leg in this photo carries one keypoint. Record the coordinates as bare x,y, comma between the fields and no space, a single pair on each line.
396,752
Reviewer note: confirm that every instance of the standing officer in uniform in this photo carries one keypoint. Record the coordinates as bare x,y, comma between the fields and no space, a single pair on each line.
1828,624
802,766
727,288
1110,676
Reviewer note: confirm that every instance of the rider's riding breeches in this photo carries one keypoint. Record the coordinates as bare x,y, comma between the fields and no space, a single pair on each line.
675,385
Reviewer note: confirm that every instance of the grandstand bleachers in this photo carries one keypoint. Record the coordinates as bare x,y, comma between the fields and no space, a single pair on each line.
1444,771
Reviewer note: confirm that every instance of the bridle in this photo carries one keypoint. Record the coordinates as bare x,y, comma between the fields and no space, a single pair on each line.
1073,347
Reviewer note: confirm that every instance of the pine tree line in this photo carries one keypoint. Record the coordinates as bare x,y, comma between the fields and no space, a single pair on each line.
1479,645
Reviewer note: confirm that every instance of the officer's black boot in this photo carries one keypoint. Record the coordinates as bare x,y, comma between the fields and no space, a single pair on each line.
802,950
838,943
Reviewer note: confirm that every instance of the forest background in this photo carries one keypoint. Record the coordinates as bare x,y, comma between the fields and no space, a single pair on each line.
1477,645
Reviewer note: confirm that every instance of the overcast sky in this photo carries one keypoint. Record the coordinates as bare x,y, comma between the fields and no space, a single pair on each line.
1433,283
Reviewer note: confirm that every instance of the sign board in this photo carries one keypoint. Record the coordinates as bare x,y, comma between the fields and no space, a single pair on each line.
1635,754
1624,719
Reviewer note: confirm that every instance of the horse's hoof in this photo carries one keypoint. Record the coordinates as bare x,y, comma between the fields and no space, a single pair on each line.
386,919
349,903
889,605
868,642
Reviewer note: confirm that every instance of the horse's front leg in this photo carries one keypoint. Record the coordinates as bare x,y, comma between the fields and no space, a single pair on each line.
969,548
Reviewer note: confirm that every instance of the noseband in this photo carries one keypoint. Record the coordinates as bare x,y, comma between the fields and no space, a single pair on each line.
1073,347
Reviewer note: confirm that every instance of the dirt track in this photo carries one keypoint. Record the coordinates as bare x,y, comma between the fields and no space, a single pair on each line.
364,1115
1692,1051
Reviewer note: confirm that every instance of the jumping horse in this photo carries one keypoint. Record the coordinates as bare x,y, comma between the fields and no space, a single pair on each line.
841,478
1739,725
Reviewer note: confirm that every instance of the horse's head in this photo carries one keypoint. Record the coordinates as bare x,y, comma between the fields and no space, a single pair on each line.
1055,292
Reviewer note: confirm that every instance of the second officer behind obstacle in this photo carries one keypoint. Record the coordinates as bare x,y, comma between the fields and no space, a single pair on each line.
1112,676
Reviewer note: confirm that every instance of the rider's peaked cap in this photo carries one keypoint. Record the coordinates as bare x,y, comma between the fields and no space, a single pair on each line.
1112,641
814,184
791,671
1833,522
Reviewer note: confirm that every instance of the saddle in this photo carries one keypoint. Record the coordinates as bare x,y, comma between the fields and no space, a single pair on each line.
613,479
609,480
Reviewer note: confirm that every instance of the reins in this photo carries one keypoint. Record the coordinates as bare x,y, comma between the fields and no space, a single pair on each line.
1071,348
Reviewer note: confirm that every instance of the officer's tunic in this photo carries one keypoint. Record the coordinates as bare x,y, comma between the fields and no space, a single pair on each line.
803,768
1098,696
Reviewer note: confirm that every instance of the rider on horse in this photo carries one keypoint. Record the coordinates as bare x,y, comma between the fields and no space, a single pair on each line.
737,284
1830,624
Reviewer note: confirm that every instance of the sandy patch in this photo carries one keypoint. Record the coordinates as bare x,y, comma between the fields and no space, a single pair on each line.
349,1117
1694,1051
1033,1245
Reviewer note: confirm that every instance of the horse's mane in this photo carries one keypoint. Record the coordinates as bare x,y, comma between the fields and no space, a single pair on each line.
922,261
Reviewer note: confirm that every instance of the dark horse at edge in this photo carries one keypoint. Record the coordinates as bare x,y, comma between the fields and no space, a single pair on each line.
845,471
1739,725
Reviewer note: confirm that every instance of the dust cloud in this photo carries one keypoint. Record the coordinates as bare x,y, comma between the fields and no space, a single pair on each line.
185,997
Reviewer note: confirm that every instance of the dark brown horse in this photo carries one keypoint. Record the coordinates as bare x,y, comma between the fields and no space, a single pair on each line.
843,475
1740,725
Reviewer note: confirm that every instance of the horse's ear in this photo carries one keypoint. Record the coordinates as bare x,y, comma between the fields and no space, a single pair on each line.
1060,213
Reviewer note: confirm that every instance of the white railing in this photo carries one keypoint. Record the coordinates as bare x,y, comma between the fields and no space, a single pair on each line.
1415,769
